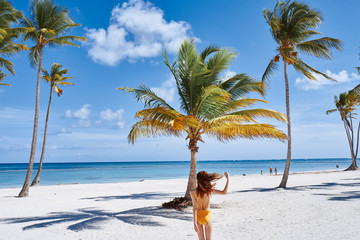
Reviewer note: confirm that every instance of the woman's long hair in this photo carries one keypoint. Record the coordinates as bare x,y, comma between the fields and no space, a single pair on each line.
204,182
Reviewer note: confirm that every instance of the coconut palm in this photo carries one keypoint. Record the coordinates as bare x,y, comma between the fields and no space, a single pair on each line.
291,26
49,24
55,79
346,105
210,105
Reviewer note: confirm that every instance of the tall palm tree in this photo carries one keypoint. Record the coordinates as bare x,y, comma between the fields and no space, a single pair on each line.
211,105
346,105
56,79
50,23
9,16
291,26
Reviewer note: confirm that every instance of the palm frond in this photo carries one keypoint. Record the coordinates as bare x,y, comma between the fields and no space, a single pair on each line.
331,111
146,95
308,71
7,64
241,84
240,103
65,40
269,71
219,62
319,47
181,90
211,101
146,128
207,51
260,112
233,131
158,113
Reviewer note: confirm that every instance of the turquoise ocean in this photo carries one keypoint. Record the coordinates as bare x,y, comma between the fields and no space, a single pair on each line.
13,174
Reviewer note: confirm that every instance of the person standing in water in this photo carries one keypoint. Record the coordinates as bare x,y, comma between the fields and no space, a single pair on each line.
201,201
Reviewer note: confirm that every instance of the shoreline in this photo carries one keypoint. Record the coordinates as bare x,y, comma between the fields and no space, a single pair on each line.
156,179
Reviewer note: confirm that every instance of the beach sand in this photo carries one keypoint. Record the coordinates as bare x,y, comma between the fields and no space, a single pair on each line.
322,205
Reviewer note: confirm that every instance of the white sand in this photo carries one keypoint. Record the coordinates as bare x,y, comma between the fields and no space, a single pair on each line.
314,206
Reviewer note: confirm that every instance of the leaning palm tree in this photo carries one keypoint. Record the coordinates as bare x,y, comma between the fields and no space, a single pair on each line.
346,105
56,79
210,105
50,23
291,26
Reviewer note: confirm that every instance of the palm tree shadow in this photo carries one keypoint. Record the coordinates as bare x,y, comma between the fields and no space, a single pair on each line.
258,190
149,195
88,218
344,196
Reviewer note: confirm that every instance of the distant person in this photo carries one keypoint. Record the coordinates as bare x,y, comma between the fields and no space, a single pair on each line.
337,166
270,169
275,171
261,172
201,201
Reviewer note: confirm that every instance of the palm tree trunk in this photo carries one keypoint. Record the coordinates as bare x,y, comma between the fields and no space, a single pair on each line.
192,175
288,157
353,165
36,180
25,189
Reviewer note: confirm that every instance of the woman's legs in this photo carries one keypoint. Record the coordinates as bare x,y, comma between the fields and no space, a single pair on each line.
200,232
208,228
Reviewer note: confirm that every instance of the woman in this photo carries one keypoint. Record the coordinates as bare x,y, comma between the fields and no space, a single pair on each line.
201,201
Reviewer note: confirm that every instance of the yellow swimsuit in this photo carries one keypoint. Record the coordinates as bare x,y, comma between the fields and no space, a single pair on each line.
203,216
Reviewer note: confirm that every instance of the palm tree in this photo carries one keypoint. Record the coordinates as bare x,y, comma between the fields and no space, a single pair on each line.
55,79
8,17
291,26
210,104
50,24
345,105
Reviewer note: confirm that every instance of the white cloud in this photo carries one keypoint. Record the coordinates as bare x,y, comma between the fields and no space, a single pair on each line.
110,116
84,121
137,30
342,76
167,90
82,113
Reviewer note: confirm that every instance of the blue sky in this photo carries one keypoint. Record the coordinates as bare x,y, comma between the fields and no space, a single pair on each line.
91,120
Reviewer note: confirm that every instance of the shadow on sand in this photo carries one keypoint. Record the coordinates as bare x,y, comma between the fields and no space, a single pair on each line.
139,196
343,196
88,218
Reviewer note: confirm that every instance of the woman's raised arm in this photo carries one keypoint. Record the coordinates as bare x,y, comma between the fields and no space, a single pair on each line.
224,191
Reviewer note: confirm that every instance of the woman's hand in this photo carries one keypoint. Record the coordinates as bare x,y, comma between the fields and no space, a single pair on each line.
196,227
226,175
